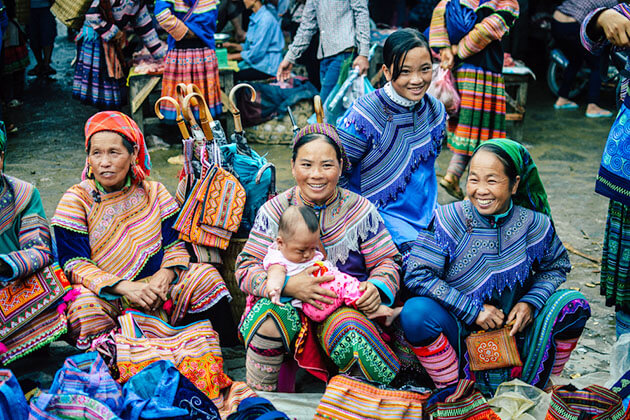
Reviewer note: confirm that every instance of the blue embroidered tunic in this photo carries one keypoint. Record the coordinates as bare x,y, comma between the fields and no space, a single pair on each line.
464,260
392,149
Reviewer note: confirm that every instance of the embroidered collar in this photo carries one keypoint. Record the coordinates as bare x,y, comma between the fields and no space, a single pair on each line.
494,219
394,96
317,207
101,190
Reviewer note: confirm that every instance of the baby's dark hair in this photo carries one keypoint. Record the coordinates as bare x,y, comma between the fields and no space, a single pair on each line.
294,215
398,44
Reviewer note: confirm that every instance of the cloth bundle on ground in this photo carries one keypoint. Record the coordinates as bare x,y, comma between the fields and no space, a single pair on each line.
460,401
257,408
193,349
272,100
593,402
350,398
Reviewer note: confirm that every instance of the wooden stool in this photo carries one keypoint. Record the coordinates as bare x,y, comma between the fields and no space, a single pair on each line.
516,98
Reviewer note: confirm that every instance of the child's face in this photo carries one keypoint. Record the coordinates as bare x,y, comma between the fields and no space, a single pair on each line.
301,246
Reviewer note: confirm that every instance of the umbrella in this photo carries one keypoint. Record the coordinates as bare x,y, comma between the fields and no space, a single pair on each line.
238,137
207,122
319,109
294,125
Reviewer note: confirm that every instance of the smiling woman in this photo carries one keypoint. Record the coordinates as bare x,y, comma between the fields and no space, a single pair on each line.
393,136
493,261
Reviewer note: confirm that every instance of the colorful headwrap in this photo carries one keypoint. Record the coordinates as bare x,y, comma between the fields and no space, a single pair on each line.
531,192
120,123
3,137
329,131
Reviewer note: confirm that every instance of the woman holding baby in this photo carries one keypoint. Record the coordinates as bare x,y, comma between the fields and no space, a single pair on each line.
353,239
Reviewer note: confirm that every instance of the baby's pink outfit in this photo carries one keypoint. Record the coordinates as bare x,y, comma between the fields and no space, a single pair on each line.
346,287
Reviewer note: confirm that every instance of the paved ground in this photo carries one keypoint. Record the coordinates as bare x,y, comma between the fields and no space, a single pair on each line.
49,152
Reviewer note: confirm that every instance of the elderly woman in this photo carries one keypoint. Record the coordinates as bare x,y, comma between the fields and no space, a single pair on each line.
488,262
31,284
354,238
116,242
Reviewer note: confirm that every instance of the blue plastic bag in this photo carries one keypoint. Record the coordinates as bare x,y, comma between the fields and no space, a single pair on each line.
13,405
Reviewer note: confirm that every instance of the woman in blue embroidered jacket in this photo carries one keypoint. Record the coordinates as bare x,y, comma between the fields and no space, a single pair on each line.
392,137
491,261
261,53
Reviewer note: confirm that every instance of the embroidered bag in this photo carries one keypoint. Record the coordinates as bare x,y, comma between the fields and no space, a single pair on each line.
350,398
492,349
593,402
459,402
13,405
24,299
67,406
87,374
193,349
161,391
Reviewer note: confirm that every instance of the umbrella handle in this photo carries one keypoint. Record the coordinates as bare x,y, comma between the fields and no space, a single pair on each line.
178,115
205,125
194,88
319,110
181,90
238,126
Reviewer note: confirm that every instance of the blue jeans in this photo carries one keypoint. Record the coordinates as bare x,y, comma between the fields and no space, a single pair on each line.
423,319
329,69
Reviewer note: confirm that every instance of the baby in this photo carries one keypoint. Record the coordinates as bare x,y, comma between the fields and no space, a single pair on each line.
296,249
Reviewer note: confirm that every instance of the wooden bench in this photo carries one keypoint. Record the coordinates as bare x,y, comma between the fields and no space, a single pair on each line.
142,85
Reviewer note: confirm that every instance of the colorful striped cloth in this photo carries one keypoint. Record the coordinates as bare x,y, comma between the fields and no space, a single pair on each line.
349,398
104,238
596,402
91,83
177,17
356,241
460,402
35,285
615,276
482,110
47,406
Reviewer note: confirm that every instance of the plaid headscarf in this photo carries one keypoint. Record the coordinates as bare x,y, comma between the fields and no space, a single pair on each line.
121,124
3,137
329,131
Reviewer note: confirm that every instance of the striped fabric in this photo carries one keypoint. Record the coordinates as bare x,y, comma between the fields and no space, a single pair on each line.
393,141
466,259
177,17
55,407
194,65
497,17
482,109
349,225
615,275
194,350
461,402
594,402
349,398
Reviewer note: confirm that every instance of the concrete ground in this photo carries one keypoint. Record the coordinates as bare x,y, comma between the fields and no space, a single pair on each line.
48,151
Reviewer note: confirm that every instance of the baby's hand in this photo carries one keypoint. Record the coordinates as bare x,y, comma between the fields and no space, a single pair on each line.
274,296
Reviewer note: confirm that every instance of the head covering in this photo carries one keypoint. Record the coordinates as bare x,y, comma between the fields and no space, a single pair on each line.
531,192
3,137
327,130
120,123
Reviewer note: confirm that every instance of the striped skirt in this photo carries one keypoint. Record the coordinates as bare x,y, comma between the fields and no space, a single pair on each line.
198,289
482,110
191,65
92,84
14,59
347,336
615,280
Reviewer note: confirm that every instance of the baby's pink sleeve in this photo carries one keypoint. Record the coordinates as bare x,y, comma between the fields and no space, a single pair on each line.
274,256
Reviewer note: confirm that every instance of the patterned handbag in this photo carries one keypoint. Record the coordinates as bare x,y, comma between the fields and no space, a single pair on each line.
350,398
492,349
23,300
459,402
193,349
593,402
67,406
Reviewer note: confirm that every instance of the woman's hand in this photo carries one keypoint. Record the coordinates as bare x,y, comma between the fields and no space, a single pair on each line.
235,56
190,35
305,287
616,27
161,282
233,46
138,294
490,317
447,59
362,63
522,314
370,299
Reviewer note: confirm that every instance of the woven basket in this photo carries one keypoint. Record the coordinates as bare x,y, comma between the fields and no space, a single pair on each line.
22,11
71,12
227,272
278,131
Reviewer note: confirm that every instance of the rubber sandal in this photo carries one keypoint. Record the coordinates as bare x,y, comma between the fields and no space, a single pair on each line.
570,105
452,190
606,114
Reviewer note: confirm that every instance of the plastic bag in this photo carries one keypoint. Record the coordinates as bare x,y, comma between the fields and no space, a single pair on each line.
443,89
619,358
517,400
344,94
